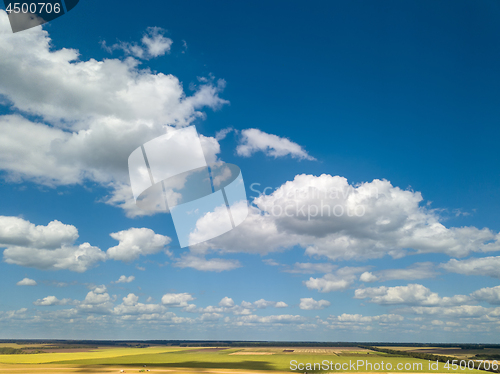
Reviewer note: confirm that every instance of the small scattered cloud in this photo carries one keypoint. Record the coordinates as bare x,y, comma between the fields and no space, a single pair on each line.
341,280
368,277
154,44
203,264
220,135
125,279
309,303
51,301
255,140
26,282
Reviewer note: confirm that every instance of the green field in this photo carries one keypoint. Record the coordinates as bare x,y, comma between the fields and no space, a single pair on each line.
200,359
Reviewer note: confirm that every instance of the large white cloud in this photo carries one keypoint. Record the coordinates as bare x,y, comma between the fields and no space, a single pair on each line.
19,232
49,247
331,218
106,108
488,294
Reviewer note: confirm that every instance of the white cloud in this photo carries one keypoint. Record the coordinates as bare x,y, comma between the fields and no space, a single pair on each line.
368,277
358,318
130,299
341,280
95,298
177,300
52,300
490,295
16,231
106,108
489,266
221,134
268,320
281,304
262,304
412,294
226,302
254,140
125,279
459,311
156,44
203,264
331,218
26,282
46,247
311,304
99,289
136,242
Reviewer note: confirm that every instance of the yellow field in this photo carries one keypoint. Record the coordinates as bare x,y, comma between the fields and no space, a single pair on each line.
43,358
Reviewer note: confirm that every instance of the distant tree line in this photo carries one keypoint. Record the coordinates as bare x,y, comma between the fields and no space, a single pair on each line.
429,356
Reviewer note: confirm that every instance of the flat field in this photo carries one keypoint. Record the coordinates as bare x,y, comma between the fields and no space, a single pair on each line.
214,361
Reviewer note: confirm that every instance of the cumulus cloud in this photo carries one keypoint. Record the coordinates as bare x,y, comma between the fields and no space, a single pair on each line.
341,280
91,114
16,231
490,295
136,242
203,264
177,300
331,218
48,247
125,279
262,304
26,282
52,300
311,304
226,302
489,266
412,294
254,140
368,277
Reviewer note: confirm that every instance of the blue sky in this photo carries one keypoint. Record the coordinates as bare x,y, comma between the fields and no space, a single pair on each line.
395,104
